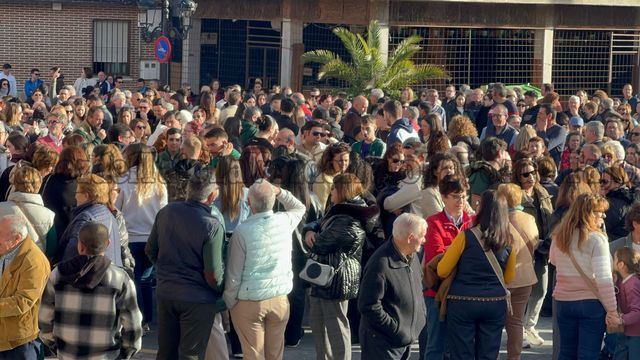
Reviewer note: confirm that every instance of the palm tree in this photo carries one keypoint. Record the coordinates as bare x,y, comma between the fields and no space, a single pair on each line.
367,69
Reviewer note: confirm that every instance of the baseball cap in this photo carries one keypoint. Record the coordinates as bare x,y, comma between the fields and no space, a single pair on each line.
6,66
576,121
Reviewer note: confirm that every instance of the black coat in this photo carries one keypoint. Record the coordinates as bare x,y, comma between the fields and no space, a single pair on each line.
391,304
340,235
620,201
59,195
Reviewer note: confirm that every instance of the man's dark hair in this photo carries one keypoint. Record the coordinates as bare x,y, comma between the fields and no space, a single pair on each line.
309,125
490,148
287,106
250,112
95,237
234,98
216,133
394,108
140,80
115,79
94,98
632,216
34,70
548,109
116,130
172,131
275,97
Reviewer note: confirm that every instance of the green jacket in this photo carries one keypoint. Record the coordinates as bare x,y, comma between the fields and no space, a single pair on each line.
377,148
165,162
88,134
249,131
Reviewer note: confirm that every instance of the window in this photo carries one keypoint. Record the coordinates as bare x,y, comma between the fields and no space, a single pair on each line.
111,47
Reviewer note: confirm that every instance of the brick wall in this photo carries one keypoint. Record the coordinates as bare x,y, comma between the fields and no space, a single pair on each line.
35,36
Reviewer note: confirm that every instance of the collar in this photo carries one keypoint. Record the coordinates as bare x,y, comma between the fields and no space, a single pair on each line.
627,278
10,256
457,222
264,214
56,141
398,260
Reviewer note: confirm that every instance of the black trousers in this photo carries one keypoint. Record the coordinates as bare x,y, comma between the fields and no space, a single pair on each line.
183,329
376,347
474,328
297,299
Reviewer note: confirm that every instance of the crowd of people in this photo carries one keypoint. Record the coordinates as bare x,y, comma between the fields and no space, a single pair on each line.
229,213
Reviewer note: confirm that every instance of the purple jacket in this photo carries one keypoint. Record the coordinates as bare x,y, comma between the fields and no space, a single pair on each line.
629,302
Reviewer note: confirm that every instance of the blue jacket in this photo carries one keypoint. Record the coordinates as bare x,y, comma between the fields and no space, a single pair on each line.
31,86
83,214
401,130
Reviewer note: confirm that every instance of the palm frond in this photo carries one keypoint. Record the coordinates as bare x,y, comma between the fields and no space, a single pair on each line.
405,50
337,69
373,35
351,43
319,56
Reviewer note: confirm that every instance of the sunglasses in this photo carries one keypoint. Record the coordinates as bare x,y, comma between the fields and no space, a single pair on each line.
527,174
604,182
53,122
141,127
317,133
635,133
36,74
69,111
395,161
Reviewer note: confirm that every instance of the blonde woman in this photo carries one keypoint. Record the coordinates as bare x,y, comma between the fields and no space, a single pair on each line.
584,292
142,194
527,133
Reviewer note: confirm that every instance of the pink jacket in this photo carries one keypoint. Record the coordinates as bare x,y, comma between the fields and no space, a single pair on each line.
629,302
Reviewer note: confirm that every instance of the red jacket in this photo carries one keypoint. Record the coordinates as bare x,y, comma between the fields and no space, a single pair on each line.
440,234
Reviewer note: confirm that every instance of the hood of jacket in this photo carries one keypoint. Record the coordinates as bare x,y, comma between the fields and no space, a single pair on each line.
84,272
22,197
403,124
364,209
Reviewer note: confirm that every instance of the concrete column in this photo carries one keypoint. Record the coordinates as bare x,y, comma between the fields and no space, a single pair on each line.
379,10
289,59
543,56
191,57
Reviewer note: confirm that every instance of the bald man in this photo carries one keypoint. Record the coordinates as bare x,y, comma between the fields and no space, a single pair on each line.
354,118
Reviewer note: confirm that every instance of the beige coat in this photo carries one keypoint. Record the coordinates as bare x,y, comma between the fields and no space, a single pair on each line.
525,239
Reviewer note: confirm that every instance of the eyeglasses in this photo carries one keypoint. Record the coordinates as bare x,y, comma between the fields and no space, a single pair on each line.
395,161
458,197
608,156
318,133
527,174
119,82
37,94
635,133
36,74
53,122
140,127
69,111
604,182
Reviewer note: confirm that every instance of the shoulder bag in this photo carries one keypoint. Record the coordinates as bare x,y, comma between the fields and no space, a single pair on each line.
491,257
594,289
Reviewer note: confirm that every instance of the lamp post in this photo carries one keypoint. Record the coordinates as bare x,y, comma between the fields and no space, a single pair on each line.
151,28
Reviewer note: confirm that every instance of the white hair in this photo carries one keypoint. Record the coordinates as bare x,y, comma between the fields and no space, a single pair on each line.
617,147
261,196
574,99
17,225
377,93
407,224
184,116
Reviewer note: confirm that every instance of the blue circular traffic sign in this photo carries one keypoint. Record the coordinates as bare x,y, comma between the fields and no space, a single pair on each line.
162,49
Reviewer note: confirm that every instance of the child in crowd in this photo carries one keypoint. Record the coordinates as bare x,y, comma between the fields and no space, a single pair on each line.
627,264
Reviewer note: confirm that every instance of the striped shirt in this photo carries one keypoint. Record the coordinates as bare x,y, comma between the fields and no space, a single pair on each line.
595,260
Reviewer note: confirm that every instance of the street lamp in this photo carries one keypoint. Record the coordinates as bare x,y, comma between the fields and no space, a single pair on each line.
153,19
186,8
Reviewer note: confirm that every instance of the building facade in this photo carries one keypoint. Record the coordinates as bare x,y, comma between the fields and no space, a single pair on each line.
576,44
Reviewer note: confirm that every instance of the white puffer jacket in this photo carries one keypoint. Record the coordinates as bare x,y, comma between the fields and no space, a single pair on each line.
39,218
